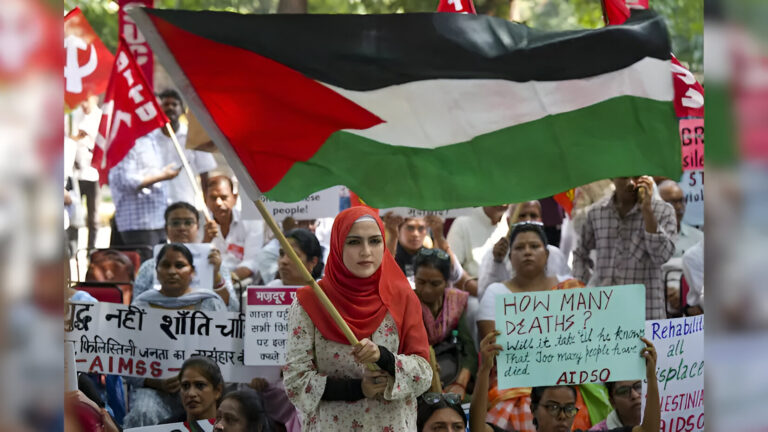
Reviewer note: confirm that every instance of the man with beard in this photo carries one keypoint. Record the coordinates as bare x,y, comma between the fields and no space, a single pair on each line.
633,234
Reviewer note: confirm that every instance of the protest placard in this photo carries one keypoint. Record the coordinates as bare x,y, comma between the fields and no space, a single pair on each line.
124,340
692,184
266,324
203,277
692,140
321,204
202,425
412,212
680,371
572,336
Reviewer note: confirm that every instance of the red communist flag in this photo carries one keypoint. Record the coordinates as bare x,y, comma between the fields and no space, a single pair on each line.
458,6
615,12
689,94
130,111
87,61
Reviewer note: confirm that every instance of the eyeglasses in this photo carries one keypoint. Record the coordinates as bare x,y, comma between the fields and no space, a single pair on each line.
432,398
441,254
554,410
625,391
175,223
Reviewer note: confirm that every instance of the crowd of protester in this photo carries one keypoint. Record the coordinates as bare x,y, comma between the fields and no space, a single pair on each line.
417,292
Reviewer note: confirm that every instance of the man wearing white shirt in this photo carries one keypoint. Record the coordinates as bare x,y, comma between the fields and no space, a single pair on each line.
472,235
239,240
180,189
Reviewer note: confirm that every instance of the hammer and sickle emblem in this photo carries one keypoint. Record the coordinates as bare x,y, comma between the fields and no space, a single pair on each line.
73,71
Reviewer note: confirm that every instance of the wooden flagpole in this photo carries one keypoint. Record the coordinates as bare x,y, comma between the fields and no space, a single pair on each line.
188,170
337,318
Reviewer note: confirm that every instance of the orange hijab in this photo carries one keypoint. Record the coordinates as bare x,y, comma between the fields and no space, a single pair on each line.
363,302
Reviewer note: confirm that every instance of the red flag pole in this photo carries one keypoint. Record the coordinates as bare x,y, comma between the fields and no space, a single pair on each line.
188,170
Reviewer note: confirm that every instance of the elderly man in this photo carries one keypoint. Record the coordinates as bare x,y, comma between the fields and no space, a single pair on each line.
687,236
633,234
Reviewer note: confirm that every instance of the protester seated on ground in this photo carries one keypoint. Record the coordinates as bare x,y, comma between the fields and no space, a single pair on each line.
440,412
109,265
626,400
242,411
495,267
444,312
528,255
309,252
200,390
181,224
151,399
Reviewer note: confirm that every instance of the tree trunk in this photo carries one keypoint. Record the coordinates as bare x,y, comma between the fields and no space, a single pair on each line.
292,6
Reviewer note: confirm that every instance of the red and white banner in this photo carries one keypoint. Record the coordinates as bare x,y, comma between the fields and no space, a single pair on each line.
87,61
138,45
457,6
689,95
130,111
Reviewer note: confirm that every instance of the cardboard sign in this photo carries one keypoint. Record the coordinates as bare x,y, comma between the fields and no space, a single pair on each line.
321,204
571,336
266,324
680,371
692,140
203,277
124,340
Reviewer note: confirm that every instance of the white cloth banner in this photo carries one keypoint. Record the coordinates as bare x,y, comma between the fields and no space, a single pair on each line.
266,324
204,425
680,370
124,340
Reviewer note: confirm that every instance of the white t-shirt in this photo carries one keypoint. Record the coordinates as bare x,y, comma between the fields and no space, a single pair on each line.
487,310
179,188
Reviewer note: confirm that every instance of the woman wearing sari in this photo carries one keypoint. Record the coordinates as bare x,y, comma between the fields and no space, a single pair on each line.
152,399
444,311
510,409
324,377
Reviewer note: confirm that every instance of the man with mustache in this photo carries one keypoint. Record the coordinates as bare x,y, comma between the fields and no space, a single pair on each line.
633,234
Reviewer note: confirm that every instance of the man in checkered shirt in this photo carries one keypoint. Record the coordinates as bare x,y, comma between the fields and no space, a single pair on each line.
633,233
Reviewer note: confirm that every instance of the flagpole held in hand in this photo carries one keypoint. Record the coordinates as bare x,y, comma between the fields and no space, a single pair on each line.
188,170
287,248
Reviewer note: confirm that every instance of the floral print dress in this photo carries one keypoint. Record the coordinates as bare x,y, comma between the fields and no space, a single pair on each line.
311,359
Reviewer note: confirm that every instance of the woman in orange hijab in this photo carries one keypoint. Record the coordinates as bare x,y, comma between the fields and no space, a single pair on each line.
325,377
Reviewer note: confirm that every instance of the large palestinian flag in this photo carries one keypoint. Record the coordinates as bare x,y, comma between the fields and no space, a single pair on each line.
422,110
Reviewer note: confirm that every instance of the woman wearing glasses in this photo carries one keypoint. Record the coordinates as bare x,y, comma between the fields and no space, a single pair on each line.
441,413
554,408
528,255
181,222
443,309
328,380
625,397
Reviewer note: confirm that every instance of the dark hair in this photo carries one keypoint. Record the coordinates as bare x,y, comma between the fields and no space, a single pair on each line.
113,255
610,385
538,392
171,93
252,409
213,181
433,260
207,368
527,227
308,244
181,205
178,247
425,411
